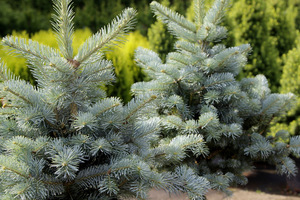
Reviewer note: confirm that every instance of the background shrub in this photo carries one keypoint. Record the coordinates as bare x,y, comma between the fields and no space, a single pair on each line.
290,81
270,28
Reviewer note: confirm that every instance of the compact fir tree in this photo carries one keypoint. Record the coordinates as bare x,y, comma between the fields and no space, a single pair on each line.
212,123
64,139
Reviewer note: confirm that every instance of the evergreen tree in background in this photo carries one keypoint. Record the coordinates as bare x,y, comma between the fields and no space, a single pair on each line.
212,123
290,81
64,139
22,15
270,28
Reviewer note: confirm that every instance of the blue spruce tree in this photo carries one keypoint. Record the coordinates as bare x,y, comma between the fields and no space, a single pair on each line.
212,124
65,139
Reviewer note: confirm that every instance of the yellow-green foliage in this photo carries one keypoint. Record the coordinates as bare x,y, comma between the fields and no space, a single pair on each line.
80,36
18,65
190,14
290,81
45,38
123,58
125,68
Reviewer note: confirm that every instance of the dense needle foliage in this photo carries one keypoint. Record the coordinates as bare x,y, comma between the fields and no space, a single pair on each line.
210,121
193,127
64,139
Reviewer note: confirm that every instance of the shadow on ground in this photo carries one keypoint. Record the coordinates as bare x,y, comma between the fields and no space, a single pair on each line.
265,179
264,184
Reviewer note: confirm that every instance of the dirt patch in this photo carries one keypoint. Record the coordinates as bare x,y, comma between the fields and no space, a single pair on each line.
238,194
264,184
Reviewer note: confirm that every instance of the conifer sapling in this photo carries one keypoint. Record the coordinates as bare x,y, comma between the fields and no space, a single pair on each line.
212,123
64,139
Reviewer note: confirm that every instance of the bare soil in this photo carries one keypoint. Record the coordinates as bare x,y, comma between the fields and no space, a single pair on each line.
264,184
238,194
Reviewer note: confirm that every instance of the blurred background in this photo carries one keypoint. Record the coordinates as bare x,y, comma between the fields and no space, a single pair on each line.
271,27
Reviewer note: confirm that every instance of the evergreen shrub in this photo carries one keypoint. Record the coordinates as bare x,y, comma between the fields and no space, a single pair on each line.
270,27
64,139
212,123
193,127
